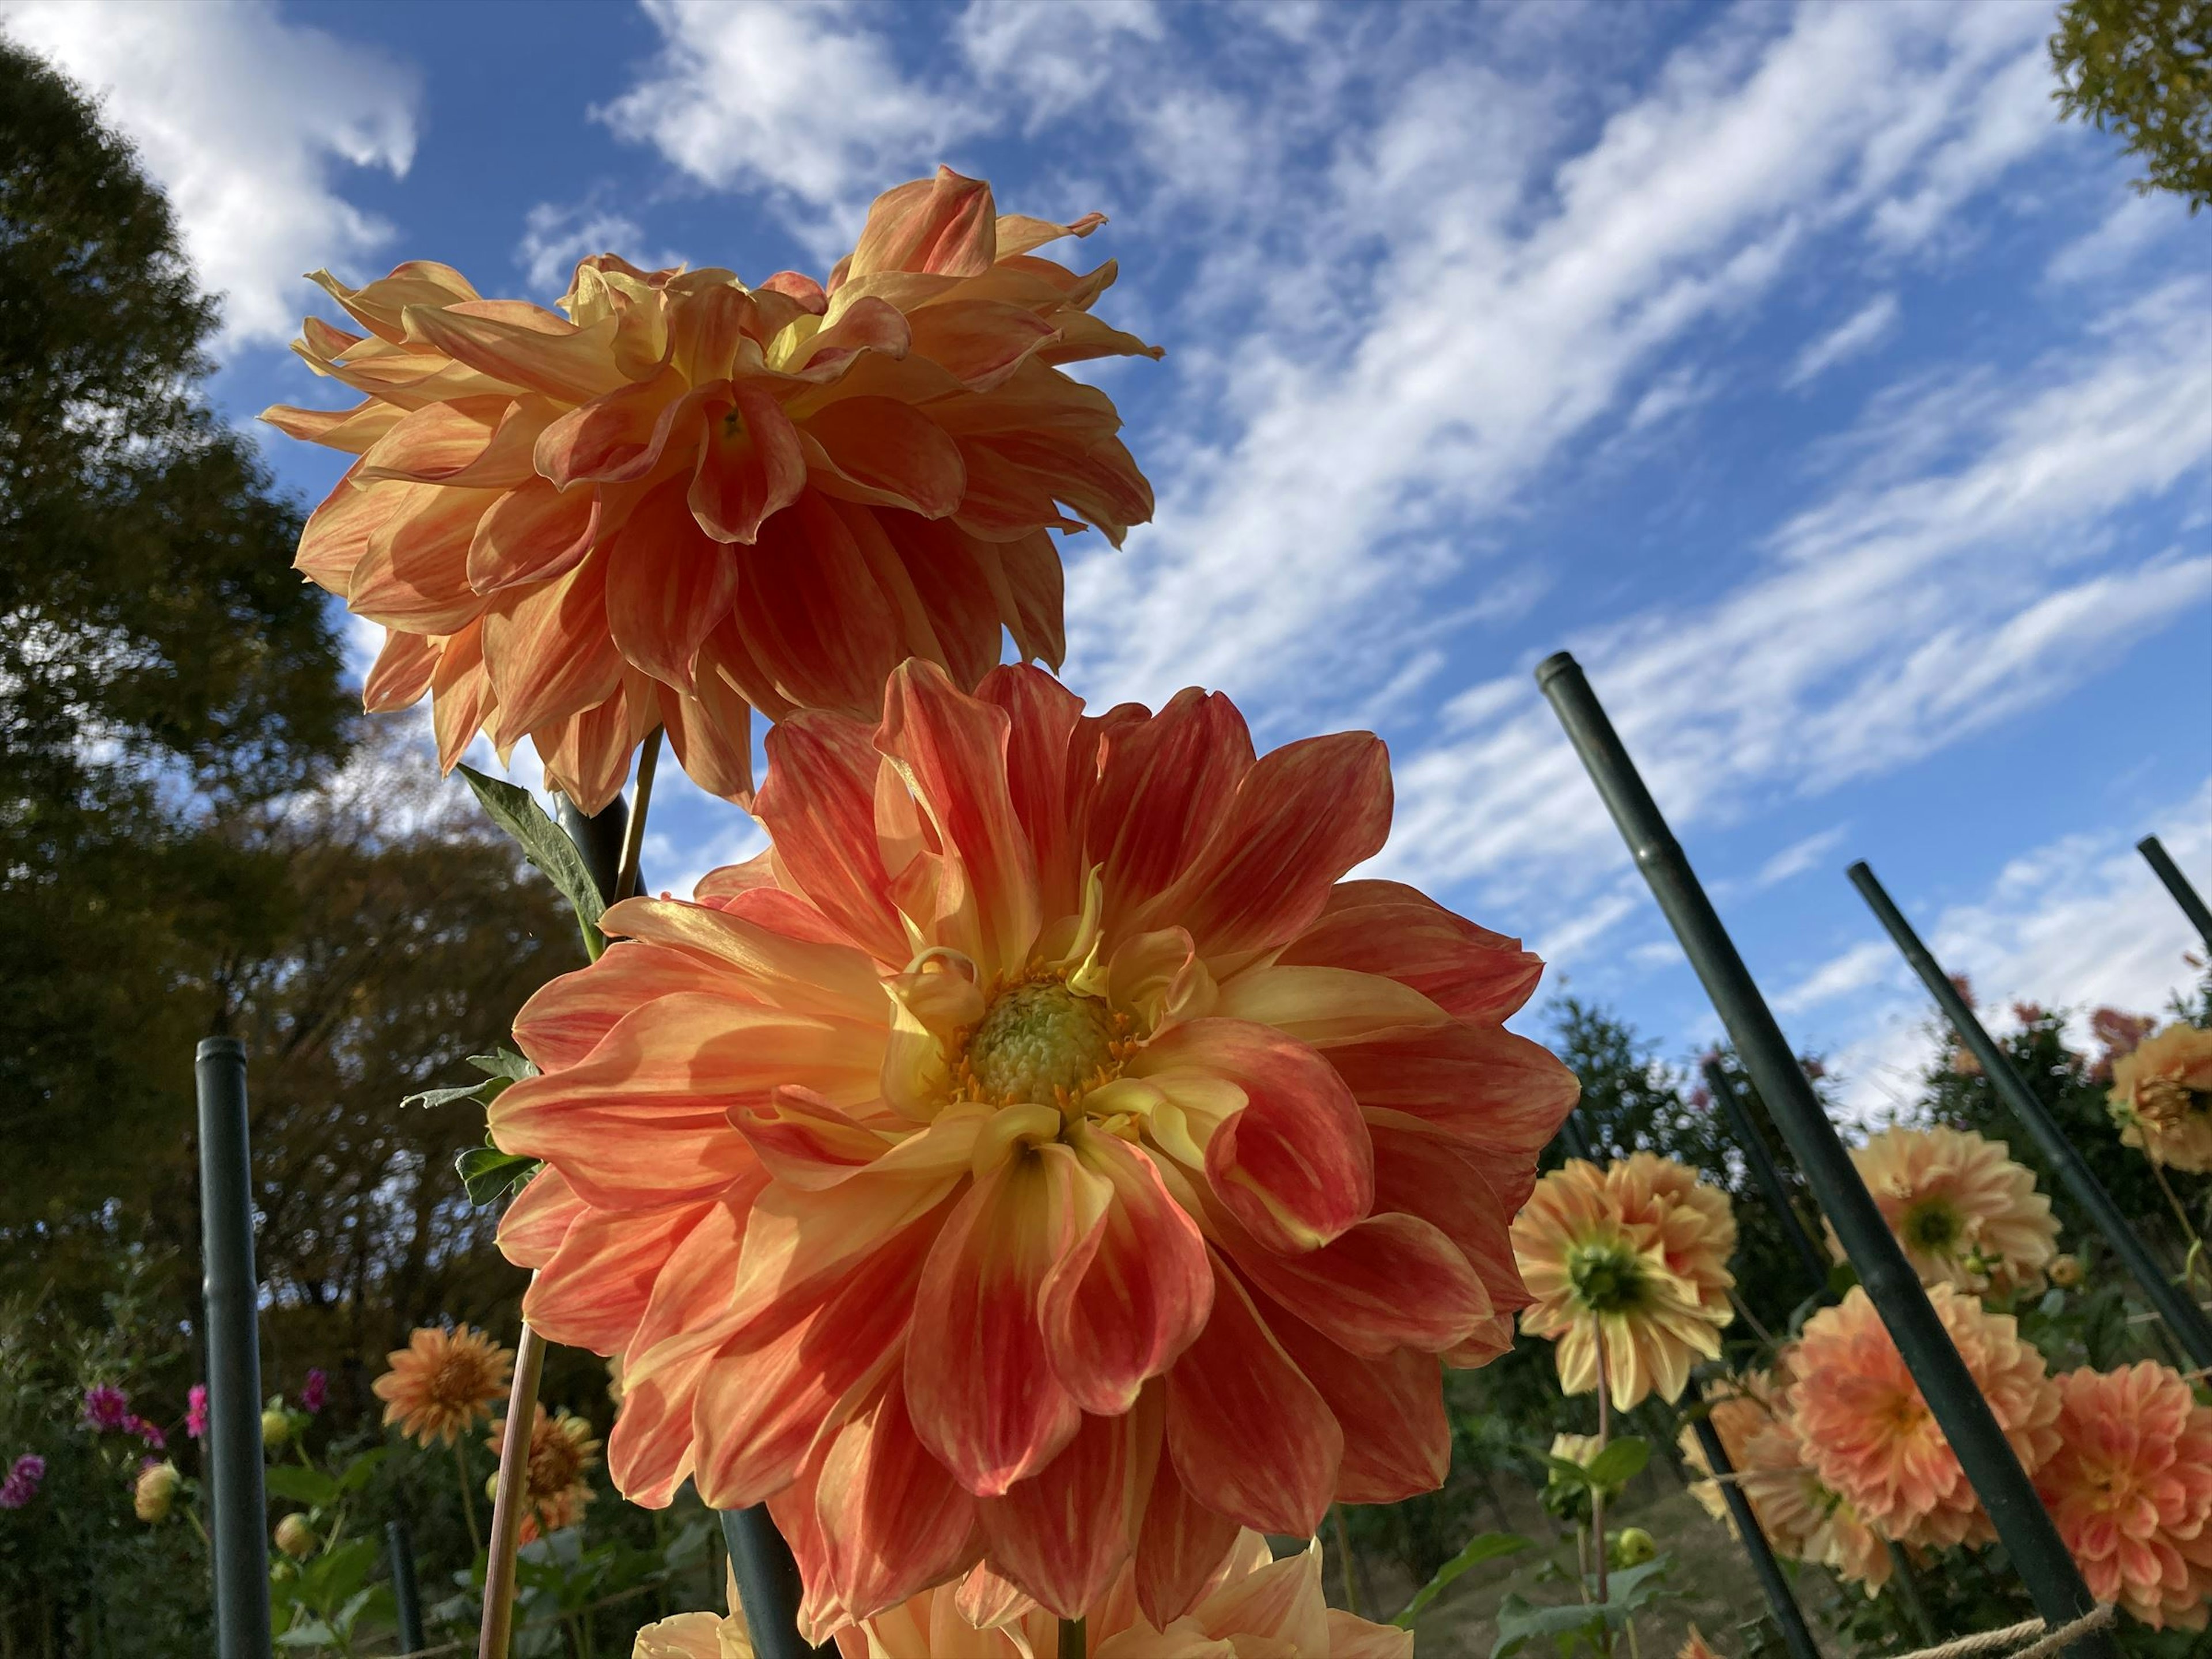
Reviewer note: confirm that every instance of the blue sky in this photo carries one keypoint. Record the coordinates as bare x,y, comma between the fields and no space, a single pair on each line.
1844,414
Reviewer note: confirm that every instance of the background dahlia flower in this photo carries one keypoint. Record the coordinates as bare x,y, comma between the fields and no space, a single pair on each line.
2130,1488
1867,1432
1964,1212
1638,1249
2161,1098
443,1382
1041,1155
1251,1604
554,1490
688,498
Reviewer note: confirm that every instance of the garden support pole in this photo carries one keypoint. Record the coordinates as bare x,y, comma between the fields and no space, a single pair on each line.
1789,1617
1768,1175
2174,1304
2193,905
406,1595
2038,1555
768,1587
237,1506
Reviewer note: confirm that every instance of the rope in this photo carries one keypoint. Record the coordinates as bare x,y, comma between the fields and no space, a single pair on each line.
1990,1641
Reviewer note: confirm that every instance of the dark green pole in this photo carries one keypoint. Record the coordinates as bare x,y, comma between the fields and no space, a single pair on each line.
1789,1617
768,1587
2038,1555
1768,1175
2175,1306
2192,906
598,837
237,1506
406,1595
1572,1138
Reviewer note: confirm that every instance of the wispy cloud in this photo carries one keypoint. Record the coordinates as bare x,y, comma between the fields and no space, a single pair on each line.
1856,334
1798,857
554,238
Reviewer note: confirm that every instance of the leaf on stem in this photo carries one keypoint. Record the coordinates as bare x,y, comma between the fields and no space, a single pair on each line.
1483,1547
546,845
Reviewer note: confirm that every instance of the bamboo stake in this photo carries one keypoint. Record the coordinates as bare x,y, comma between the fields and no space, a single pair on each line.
2193,907
1768,1174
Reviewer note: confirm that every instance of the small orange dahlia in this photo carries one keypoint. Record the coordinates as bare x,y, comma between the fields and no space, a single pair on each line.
1867,1432
1637,1251
1041,1152
1696,1647
555,1492
688,498
2130,1488
1250,1603
443,1382
1965,1213
2161,1098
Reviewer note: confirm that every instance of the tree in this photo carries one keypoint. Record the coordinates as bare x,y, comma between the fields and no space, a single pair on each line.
2143,69
162,669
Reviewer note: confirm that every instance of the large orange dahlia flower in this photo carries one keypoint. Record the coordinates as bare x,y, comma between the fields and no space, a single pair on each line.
1042,1155
2161,1098
1867,1432
688,497
1965,1213
2130,1488
1637,1251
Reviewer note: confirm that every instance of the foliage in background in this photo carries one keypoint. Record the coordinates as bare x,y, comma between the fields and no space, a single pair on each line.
2142,69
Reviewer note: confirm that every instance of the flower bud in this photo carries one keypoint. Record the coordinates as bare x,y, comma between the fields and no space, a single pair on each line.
275,1426
155,1491
295,1537
2065,1271
1633,1546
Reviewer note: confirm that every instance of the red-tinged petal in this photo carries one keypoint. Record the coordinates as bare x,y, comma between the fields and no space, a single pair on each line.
587,754
979,1380
1388,1282
469,443
1494,1338
951,749
1134,1291
1294,1166
352,430
565,1018
1400,1442
1035,592
401,673
800,287
1468,1192
689,1310
523,345
711,730
650,1449
533,533
861,324
668,585
642,1121
1064,1533
1043,717
1250,1438
1324,1006
621,436
949,575
770,968
1387,927
893,1521
380,306
593,1292
414,573
982,342
1018,232
1485,1085
1165,787
818,803
806,1143
894,453
460,694
1280,1600
538,1218
751,465
812,614
946,225
548,650
1181,1550
336,535
1304,815
708,330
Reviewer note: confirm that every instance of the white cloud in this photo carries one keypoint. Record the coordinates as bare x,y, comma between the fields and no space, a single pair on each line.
1055,55
799,100
1798,857
1856,334
244,119
1870,964
554,238
2130,229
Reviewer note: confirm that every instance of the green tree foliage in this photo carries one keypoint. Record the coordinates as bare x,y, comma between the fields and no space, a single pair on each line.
2142,69
161,667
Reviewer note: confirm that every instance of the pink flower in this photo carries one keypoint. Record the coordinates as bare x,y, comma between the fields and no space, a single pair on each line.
21,1484
150,1432
195,1412
315,1392
106,1408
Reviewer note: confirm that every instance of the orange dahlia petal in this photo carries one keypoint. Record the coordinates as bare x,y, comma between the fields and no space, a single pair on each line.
893,1520
1064,1533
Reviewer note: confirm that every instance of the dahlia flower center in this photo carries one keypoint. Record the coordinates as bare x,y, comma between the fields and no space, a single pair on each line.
1933,1226
1041,1043
1607,1278
2165,1103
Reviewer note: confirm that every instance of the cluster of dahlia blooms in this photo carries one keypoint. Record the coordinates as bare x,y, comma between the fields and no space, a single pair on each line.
555,1486
1966,1215
2161,1098
1629,1262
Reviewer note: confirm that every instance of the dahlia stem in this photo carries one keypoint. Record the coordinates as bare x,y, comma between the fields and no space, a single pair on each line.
628,876
1597,1497
468,1498
1074,1639
507,1502
1344,1559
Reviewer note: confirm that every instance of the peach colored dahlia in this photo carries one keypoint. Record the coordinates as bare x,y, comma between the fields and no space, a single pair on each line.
443,1382
1250,1604
688,497
1042,1154
1638,1249
1965,1213
555,1492
2130,1488
2161,1098
1870,1435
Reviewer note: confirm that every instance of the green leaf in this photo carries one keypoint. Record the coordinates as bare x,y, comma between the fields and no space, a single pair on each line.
1483,1547
1621,1462
356,1474
314,1633
546,845
300,1484
503,1062
490,1174
1520,1621
1566,1469
442,1096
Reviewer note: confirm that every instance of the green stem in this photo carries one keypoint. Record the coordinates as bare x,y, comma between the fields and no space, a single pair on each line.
508,1498
627,874
468,1497
1073,1639
1597,1495
1344,1559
